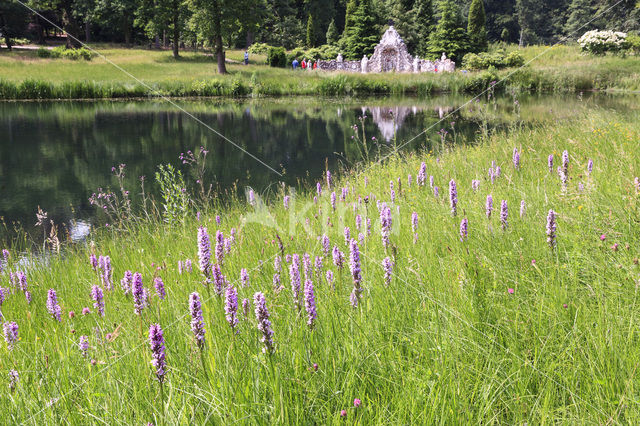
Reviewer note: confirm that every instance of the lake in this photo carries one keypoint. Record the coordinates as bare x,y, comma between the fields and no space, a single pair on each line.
56,154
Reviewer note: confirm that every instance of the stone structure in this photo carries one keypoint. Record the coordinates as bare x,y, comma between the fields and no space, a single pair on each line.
389,55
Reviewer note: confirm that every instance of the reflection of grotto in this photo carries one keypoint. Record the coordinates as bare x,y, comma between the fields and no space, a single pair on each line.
390,119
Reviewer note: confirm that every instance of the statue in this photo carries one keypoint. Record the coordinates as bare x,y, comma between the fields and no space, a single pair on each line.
444,57
339,58
363,64
416,64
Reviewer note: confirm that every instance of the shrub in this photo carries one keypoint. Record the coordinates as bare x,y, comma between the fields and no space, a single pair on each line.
259,48
633,41
43,52
496,59
325,51
71,54
276,57
600,42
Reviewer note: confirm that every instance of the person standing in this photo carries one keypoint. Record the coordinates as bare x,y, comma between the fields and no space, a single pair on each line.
246,57
294,63
303,65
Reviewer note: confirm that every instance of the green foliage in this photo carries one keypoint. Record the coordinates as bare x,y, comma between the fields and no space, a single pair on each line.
497,59
325,51
362,34
174,194
311,36
476,27
258,49
62,52
276,57
504,35
332,33
633,41
423,21
449,36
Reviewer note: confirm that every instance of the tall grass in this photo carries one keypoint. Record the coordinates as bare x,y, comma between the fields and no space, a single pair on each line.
445,342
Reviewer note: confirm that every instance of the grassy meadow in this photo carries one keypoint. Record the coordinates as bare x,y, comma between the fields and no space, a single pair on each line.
23,75
495,326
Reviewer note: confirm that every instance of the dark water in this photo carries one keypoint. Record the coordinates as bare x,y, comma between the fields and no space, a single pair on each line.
56,154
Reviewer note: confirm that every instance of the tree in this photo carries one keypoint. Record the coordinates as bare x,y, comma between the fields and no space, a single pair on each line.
351,8
476,27
13,21
323,12
311,38
216,19
581,14
332,33
362,34
423,23
158,16
449,36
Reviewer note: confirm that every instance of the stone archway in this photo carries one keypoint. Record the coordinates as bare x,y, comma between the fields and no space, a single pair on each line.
389,59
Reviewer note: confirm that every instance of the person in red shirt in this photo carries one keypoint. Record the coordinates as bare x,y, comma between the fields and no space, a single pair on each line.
304,64
315,65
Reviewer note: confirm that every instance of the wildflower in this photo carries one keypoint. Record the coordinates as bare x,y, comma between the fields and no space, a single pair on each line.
21,281
338,257
159,286
219,249
86,311
126,282
489,206
354,266
414,226
347,235
358,222
550,163
27,296
197,323
294,275
387,266
436,191
368,226
319,189
409,180
523,208
83,345
98,299
498,171
10,334
218,280
431,181
453,197
156,342
333,200
357,402
52,305
422,173
244,277
385,224
139,294
329,276
13,379
264,325
580,187
326,245
589,167
318,266
72,315
614,247
464,229
343,413
491,174
504,213
252,197
475,184
231,307
93,260
104,263
551,229
218,219
204,252
328,180
565,163
285,202
603,237
511,291
636,184
187,266
276,280
516,158
309,303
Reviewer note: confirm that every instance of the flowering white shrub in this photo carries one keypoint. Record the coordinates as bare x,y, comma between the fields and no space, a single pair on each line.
600,42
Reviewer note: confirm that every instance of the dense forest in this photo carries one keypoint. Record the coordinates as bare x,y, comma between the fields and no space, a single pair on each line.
354,26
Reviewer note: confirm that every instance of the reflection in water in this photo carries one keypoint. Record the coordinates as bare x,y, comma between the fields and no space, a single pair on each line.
56,154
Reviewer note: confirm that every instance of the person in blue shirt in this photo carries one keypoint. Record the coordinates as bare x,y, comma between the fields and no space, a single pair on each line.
246,58
295,63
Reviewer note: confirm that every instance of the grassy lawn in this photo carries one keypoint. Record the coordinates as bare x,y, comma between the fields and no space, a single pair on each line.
493,326
560,68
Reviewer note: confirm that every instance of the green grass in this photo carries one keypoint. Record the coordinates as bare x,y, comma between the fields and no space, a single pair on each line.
557,69
444,343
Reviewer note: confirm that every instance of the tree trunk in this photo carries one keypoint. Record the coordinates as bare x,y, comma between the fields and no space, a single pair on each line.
87,30
521,42
157,42
176,31
249,38
70,26
127,32
217,28
7,41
